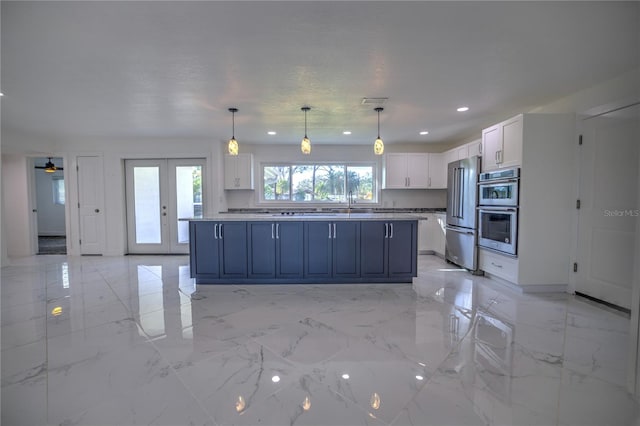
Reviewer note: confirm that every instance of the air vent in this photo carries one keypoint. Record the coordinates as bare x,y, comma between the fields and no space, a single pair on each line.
374,101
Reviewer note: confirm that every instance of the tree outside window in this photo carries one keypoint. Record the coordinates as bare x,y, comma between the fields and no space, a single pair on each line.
319,183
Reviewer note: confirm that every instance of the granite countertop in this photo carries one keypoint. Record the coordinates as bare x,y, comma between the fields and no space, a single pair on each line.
310,216
358,213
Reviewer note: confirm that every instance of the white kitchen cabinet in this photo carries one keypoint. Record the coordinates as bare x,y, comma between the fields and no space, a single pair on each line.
440,229
437,171
474,148
450,156
406,171
502,144
462,152
498,265
238,171
543,145
431,238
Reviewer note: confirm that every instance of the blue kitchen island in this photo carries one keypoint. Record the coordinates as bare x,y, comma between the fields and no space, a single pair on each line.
310,248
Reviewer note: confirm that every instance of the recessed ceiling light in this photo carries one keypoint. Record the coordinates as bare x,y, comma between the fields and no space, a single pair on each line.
271,132
463,109
1,94
424,132
346,132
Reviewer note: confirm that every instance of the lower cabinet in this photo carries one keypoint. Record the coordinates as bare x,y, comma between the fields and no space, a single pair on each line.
343,251
388,249
332,249
218,249
275,249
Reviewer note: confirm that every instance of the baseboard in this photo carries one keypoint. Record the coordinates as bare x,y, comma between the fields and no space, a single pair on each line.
535,288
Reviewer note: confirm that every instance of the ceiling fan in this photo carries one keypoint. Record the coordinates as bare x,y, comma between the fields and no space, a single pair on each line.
49,167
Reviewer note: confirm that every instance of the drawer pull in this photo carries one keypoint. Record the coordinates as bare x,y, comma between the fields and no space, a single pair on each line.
496,265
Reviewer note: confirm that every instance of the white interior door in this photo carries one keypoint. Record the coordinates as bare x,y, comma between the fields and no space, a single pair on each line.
90,207
609,162
159,193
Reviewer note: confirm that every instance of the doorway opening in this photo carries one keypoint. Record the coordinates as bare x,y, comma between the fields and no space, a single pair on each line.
49,207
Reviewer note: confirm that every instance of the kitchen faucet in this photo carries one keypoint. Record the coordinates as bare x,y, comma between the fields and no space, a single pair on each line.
350,201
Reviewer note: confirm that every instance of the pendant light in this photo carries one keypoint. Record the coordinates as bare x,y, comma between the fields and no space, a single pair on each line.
305,146
233,143
378,145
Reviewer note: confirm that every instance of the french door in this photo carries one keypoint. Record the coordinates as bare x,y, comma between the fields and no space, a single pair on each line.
159,192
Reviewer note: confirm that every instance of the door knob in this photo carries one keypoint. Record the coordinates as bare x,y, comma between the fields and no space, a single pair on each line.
97,210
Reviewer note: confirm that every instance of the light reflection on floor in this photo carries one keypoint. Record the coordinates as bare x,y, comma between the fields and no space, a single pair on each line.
132,340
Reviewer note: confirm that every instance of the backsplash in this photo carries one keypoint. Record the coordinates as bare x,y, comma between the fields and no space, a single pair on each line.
389,199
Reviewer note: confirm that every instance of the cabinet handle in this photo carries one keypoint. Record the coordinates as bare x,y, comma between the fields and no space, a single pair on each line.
272,226
215,231
334,231
386,230
480,148
277,231
496,265
220,231
329,230
391,232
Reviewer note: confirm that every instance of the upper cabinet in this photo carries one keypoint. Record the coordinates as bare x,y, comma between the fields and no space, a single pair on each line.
238,171
406,171
437,171
474,148
502,144
461,152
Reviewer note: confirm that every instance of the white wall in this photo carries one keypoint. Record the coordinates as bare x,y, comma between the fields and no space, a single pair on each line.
16,217
4,256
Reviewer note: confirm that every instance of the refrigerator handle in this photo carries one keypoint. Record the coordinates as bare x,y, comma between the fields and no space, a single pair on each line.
454,198
461,192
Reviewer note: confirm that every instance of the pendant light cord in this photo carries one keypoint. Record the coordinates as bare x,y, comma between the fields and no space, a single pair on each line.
305,122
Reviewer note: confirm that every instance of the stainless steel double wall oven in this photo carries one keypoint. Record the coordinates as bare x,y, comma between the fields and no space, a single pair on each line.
498,202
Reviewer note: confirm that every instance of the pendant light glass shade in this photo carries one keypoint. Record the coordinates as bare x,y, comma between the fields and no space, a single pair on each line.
233,143
378,145
305,145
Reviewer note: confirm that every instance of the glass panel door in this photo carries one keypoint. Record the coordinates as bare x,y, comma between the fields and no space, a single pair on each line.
159,193
186,185
146,187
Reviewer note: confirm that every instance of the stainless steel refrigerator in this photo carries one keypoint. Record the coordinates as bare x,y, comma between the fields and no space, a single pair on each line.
462,199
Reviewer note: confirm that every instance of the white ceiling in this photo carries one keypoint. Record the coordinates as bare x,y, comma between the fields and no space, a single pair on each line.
172,69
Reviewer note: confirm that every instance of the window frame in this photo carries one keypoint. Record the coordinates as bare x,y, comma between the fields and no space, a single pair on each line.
58,186
315,203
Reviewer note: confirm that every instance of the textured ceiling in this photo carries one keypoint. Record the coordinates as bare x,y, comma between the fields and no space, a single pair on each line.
172,69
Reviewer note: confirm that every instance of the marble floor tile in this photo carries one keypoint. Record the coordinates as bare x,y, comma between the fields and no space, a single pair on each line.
133,340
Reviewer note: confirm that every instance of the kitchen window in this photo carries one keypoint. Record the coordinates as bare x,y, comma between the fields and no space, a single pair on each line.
318,183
